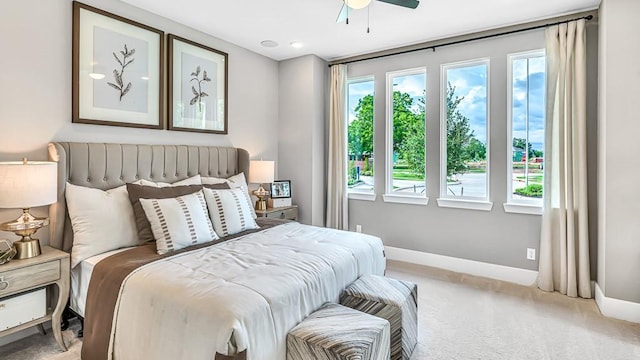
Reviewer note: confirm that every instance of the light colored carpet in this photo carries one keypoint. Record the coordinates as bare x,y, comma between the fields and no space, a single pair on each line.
462,317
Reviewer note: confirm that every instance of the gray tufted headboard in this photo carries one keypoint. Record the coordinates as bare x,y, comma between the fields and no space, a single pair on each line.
105,166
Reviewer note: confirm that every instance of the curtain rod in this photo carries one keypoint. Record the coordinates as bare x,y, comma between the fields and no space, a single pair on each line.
433,47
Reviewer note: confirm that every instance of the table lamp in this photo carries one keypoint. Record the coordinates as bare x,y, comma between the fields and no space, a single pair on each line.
23,185
261,172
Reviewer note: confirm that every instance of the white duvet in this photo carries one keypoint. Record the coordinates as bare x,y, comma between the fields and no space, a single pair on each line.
246,293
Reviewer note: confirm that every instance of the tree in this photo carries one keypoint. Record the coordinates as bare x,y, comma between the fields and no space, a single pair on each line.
459,135
403,118
360,130
476,150
409,130
412,148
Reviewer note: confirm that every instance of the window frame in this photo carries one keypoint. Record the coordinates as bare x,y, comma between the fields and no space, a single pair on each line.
464,202
354,194
519,206
390,195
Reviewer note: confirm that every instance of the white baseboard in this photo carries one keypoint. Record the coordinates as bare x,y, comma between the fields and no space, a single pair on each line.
477,268
616,308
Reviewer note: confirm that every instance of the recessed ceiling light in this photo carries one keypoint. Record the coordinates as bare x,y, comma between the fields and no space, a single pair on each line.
296,44
268,43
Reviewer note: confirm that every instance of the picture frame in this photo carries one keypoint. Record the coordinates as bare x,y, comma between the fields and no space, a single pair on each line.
281,189
197,87
117,76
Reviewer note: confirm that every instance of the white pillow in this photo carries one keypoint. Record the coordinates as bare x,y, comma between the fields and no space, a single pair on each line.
102,221
213,180
229,211
179,222
235,181
194,180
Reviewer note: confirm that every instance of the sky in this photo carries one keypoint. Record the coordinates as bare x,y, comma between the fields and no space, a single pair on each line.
412,84
536,85
471,83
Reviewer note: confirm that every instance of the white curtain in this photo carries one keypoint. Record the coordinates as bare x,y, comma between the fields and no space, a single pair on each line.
337,202
564,240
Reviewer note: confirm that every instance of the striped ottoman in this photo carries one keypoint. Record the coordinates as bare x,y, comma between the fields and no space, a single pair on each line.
389,299
338,332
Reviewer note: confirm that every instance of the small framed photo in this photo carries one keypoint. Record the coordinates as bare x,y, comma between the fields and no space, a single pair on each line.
281,189
197,87
117,70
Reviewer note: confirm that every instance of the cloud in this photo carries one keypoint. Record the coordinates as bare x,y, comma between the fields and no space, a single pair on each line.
470,82
414,85
534,82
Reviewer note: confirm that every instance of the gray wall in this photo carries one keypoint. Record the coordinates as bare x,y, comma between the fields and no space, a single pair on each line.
302,90
35,88
494,237
619,198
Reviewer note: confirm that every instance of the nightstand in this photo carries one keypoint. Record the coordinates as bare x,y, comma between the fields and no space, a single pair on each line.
285,212
43,271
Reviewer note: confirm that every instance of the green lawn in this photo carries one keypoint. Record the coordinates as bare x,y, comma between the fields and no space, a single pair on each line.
537,179
404,174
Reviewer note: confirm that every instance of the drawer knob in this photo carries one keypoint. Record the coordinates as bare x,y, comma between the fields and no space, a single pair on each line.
3,284
282,215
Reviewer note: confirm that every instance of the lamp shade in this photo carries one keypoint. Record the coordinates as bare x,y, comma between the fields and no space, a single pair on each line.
357,4
261,172
26,184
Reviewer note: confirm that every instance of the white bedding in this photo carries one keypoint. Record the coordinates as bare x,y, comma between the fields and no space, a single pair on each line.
246,293
80,277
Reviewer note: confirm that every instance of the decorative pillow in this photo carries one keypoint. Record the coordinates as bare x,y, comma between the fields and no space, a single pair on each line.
179,222
194,180
235,181
101,220
221,186
229,211
213,180
137,192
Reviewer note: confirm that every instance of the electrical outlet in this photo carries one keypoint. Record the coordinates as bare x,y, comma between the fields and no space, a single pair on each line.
531,254
359,228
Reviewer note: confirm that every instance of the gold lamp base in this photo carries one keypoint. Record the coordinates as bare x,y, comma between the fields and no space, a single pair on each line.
27,248
261,194
261,204
26,225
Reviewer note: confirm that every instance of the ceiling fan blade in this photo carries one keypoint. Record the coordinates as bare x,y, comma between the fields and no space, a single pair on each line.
342,16
412,4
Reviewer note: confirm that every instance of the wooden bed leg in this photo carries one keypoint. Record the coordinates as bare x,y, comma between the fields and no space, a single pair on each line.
81,331
41,329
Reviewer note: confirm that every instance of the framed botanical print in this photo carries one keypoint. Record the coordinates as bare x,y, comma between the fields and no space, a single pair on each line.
117,70
197,87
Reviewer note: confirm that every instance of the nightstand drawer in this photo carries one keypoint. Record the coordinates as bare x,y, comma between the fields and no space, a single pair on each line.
27,277
290,214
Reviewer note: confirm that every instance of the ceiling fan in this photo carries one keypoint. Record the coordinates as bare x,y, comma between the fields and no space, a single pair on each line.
360,4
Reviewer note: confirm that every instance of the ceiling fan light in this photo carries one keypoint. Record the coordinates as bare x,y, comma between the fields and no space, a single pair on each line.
357,4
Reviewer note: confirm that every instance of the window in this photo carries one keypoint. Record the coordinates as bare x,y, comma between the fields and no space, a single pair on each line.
406,132
360,135
526,127
465,133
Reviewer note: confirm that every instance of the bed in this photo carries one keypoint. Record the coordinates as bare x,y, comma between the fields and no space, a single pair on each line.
233,298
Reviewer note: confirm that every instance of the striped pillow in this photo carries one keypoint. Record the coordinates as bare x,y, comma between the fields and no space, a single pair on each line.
179,222
229,211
